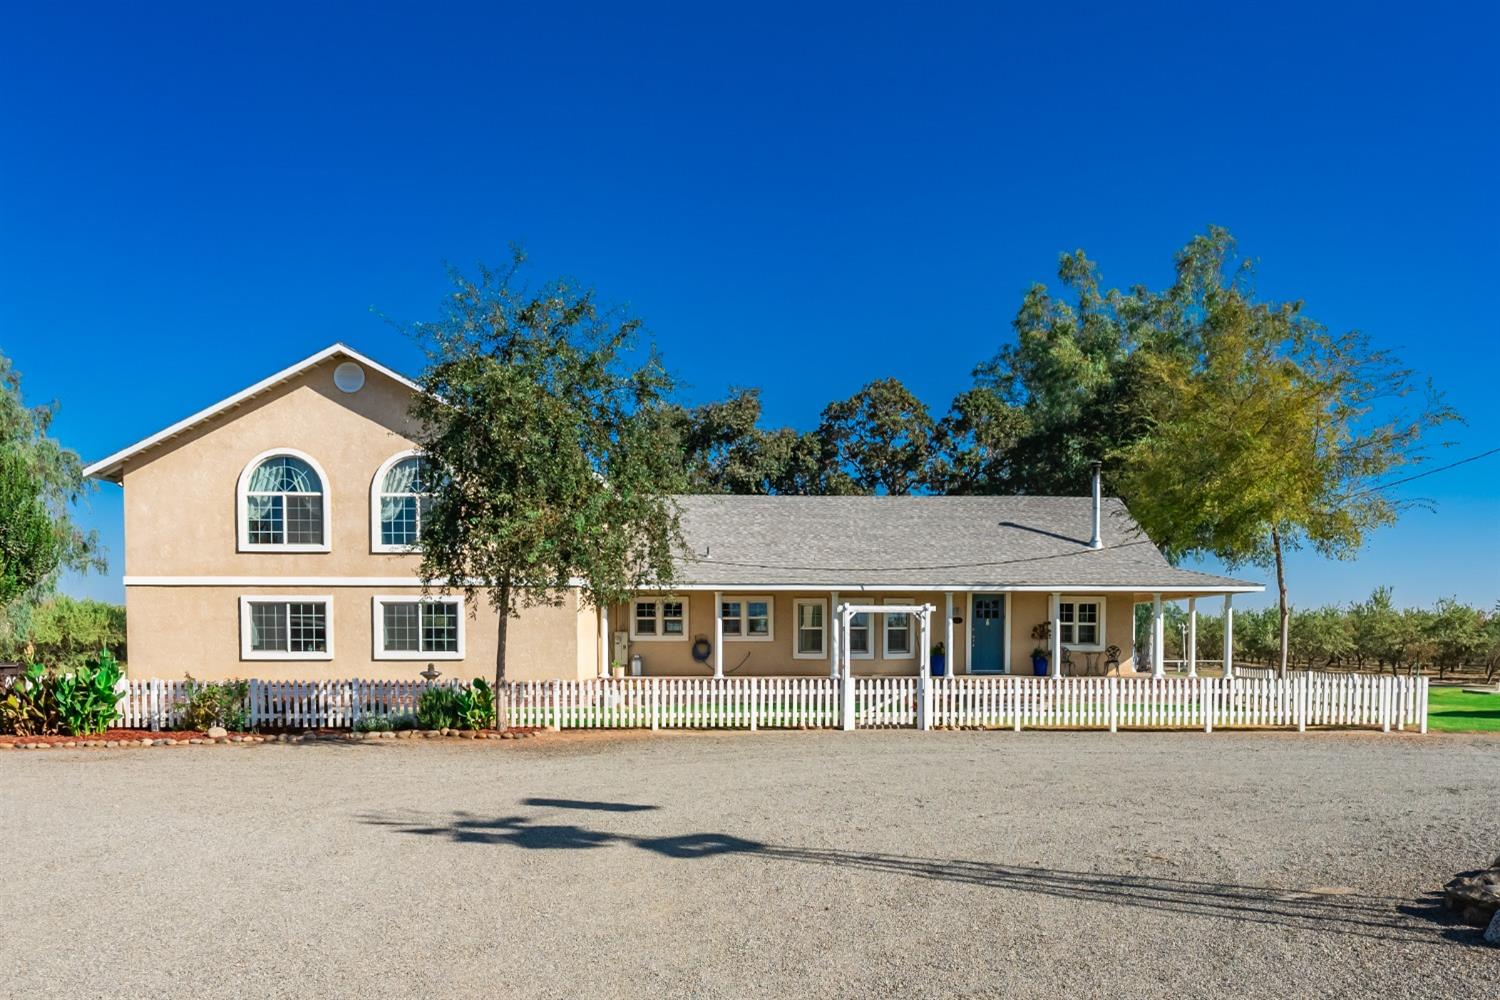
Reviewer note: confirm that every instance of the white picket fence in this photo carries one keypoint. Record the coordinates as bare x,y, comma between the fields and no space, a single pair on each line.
326,704
1016,702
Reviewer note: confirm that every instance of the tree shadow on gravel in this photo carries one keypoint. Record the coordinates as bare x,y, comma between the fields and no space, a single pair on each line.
1379,917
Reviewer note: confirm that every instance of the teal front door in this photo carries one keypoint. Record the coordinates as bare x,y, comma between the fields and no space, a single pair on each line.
988,642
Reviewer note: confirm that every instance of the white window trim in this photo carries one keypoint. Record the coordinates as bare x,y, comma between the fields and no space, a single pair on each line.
797,606
885,632
686,612
377,627
744,619
1075,600
869,653
376,545
246,653
242,506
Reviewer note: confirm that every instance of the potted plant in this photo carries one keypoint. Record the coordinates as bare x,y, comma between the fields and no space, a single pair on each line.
939,660
617,669
1042,636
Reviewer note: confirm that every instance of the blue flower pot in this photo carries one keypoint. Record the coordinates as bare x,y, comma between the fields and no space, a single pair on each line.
1039,666
939,664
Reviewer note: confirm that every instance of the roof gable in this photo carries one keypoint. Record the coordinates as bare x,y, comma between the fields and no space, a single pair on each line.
112,467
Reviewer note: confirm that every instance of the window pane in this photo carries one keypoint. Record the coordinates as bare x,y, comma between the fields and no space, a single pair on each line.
398,520
284,474
645,617
1088,635
730,612
304,520
671,618
440,627
307,628
859,633
1065,612
898,633
758,618
264,527
809,616
268,627
401,627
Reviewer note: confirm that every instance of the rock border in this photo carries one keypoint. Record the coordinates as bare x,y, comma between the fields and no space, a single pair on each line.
93,743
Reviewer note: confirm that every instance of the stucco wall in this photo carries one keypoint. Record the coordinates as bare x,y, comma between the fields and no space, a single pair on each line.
1029,610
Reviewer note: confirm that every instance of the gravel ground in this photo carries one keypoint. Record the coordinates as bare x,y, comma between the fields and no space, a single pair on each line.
740,865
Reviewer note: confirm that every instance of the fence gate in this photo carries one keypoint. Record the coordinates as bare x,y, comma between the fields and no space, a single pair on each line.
885,702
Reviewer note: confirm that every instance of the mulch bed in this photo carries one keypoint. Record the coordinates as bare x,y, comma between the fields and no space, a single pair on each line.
124,738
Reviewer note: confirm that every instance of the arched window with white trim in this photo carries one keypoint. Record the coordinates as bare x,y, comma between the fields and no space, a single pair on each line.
402,495
283,504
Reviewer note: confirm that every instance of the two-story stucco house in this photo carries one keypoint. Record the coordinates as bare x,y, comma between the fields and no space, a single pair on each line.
272,535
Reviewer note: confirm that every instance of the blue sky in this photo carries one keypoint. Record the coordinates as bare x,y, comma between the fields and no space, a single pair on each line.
800,198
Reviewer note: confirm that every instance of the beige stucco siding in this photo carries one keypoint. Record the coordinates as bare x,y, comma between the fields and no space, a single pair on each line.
175,631
1030,609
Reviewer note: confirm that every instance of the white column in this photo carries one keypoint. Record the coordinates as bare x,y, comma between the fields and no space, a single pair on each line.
924,680
836,640
1158,638
1192,637
1228,635
1056,650
846,672
606,641
950,656
718,633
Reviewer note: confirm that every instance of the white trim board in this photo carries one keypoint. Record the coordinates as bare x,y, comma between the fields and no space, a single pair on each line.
1183,590
108,468
279,581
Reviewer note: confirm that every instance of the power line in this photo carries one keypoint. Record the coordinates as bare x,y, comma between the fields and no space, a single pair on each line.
1429,472
897,569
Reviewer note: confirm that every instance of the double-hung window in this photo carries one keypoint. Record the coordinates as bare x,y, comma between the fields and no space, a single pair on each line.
747,618
286,628
658,618
1081,623
811,640
418,628
859,636
898,632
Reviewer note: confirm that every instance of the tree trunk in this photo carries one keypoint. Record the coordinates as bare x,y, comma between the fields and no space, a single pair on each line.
502,634
1281,597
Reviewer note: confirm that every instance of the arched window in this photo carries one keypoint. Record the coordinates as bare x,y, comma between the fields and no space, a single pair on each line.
403,493
283,504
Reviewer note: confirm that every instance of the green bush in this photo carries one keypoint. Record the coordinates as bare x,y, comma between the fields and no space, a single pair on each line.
62,631
457,708
80,702
205,704
373,724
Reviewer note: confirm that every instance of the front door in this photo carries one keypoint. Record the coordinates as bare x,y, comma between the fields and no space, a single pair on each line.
988,642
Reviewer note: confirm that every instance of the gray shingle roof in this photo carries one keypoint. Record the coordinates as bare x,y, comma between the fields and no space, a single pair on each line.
934,542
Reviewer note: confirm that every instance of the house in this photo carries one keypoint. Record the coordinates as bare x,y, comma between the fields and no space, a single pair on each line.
272,535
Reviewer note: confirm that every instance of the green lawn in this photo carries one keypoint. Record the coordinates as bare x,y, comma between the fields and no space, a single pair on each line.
1451,710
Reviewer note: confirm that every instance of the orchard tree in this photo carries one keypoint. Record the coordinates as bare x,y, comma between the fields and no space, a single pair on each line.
536,417
1263,431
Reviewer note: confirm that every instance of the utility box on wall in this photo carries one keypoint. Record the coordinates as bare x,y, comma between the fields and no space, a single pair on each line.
621,652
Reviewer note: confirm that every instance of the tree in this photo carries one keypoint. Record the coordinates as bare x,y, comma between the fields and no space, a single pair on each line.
880,440
39,480
725,451
976,443
62,632
1262,431
1457,634
539,430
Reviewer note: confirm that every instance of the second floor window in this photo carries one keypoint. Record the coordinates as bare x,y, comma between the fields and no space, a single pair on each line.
284,504
405,494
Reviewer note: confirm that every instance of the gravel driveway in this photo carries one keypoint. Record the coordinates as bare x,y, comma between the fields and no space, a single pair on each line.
735,865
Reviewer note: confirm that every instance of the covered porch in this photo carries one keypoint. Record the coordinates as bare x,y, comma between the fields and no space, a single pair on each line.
798,632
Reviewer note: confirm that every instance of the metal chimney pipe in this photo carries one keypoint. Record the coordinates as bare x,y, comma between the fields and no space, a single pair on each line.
1097,542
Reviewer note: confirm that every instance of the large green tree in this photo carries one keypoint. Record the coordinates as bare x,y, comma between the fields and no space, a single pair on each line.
536,418
1264,432
39,482
880,440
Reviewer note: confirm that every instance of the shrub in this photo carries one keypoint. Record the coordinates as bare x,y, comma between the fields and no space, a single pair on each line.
62,631
373,724
205,704
457,708
81,702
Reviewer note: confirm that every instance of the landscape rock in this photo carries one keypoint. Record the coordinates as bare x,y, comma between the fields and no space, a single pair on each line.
1474,897
1492,933
214,732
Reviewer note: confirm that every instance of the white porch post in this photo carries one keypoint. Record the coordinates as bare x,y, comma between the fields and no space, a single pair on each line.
1056,650
1158,637
606,641
835,643
718,633
846,673
924,680
1192,637
1228,635
949,654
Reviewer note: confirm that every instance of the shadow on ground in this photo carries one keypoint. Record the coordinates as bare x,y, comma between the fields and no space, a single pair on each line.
1380,917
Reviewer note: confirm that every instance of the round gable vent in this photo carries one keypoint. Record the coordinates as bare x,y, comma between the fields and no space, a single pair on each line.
349,377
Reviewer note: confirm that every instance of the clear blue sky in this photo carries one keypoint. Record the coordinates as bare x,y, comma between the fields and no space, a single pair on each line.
799,198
